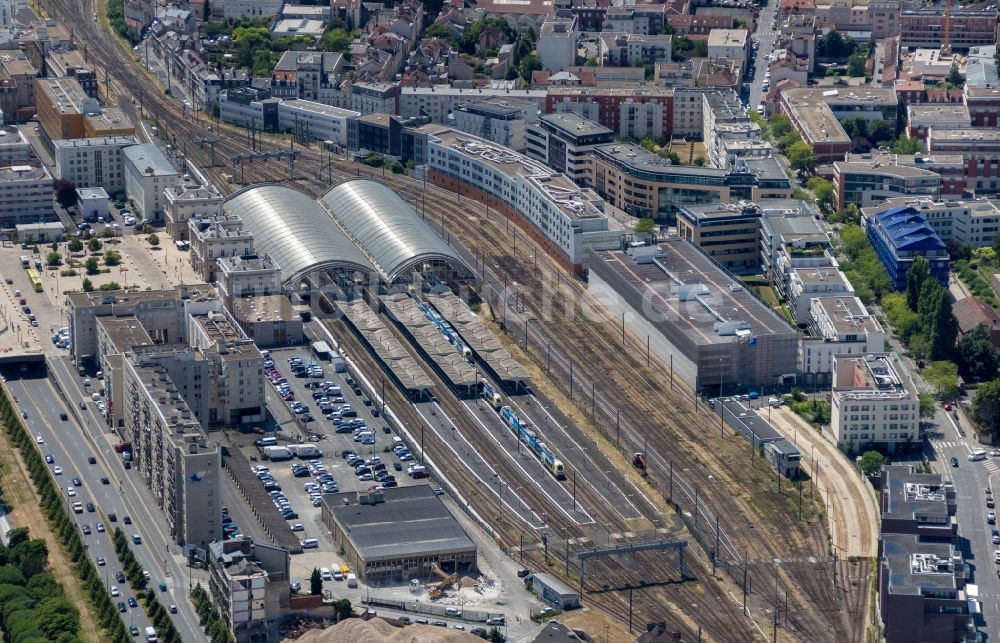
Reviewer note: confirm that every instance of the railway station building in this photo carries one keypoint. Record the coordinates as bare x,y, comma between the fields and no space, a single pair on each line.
396,534
719,338
359,233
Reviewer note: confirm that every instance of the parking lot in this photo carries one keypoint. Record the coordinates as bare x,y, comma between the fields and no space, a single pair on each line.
321,433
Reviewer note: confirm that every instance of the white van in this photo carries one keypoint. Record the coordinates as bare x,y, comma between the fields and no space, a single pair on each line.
267,442
309,543
324,573
977,455
452,611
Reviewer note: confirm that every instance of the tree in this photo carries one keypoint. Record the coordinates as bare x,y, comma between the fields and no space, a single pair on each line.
823,191
905,145
75,245
340,40
527,65
857,64
927,406
31,556
986,407
943,376
108,233
53,259
944,327
153,240
985,256
315,583
955,77
65,193
780,125
344,608
977,359
916,277
871,462
112,258
92,266
645,225
592,62
88,285
801,157
881,131
94,245
438,31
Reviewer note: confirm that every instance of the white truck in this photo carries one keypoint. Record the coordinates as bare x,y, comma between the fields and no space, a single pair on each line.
276,453
150,634
352,580
305,450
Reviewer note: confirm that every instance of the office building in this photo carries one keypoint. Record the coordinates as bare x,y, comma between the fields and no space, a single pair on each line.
92,162
867,183
923,578
899,235
562,216
270,320
921,117
499,120
314,120
147,174
557,43
816,112
248,107
972,223
839,325
439,101
25,195
65,110
727,232
696,315
172,455
980,150
874,402
646,185
15,148
188,200
396,534
63,63
249,583
564,142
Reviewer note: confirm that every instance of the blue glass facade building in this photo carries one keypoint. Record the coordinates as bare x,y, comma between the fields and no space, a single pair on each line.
899,236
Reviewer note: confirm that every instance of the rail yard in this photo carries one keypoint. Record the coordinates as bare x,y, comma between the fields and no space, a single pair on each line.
550,482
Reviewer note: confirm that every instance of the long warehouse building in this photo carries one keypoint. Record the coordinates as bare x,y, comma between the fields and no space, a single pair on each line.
719,337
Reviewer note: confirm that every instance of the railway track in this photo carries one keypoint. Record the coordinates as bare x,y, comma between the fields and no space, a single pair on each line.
672,437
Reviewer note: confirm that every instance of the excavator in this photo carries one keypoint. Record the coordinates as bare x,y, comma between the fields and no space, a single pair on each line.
447,580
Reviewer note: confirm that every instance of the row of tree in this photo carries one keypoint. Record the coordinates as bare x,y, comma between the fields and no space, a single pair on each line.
42,611
862,266
215,627
116,16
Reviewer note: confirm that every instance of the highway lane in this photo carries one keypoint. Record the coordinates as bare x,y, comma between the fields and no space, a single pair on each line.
43,420
124,496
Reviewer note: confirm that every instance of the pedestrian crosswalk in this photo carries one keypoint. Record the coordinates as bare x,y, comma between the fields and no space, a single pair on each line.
991,466
946,444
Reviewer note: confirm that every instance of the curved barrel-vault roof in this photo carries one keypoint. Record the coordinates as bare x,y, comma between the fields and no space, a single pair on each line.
295,231
387,228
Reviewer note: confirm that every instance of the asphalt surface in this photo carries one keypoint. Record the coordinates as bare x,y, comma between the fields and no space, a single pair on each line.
767,37
72,443
38,399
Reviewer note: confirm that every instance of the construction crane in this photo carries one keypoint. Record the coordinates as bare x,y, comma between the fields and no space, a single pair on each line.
447,580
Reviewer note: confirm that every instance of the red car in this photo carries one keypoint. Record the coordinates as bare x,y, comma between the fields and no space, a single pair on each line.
947,407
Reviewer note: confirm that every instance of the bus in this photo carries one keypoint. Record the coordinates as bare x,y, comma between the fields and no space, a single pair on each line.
35,279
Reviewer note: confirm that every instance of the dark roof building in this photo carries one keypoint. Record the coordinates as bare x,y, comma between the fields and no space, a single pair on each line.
899,236
972,312
397,533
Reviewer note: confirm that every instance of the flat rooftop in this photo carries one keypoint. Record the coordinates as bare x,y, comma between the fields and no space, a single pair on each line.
848,315
908,495
125,332
727,37
814,116
12,136
149,160
575,125
109,118
194,292
878,375
179,421
92,193
720,211
868,167
498,106
638,159
914,160
611,91
692,293
93,142
971,135
22,173
261,308
558,188
916,567
932,112
846,97
318,108
447,90
412,521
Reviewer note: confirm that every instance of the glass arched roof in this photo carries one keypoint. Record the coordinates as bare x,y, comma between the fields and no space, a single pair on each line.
386,227
295,231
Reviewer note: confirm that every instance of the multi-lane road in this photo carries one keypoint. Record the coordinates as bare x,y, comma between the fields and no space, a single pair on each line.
71,442
767,38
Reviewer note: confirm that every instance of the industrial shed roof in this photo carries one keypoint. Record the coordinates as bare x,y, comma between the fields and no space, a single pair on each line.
295,231
384,225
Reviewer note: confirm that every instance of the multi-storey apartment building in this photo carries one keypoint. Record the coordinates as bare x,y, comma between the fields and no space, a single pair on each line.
249,582
899,236
147,174
972,223
186,201
25,195
503,121
564,142
92,162
839,325
969,28
874,402
627,111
